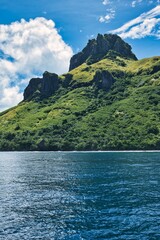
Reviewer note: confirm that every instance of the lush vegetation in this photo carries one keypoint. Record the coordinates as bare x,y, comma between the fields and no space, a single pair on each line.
82,116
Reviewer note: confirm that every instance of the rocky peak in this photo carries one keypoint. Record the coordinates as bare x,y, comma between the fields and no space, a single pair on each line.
42,87
98,48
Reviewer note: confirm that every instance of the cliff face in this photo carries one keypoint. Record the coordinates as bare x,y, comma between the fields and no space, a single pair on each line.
43,87
33,86
98,49
50,82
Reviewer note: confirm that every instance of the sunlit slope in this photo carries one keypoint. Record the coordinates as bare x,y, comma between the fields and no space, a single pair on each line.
82,115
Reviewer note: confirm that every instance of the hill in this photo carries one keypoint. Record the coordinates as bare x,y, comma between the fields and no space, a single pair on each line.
108,100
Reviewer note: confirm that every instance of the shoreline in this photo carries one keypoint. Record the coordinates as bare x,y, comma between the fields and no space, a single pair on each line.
88,151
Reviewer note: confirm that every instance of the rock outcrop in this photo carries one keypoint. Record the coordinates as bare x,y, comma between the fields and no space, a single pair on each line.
98,48
42,87
49,85
103,80
33,86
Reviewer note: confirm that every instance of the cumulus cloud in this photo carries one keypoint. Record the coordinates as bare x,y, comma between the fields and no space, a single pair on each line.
147,24
27,49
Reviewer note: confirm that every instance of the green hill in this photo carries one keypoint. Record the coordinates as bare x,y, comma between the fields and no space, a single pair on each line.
108,101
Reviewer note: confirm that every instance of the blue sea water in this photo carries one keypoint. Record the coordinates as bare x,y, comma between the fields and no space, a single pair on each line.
79,195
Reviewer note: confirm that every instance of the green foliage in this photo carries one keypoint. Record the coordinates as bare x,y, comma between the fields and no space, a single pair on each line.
81,116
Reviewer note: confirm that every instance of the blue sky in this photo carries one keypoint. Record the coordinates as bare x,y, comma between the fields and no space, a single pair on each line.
52,30
78,21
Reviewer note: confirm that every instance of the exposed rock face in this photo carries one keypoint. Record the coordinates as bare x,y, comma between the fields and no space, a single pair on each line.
43,87
33,86
98,48
67,80
103,79
49,84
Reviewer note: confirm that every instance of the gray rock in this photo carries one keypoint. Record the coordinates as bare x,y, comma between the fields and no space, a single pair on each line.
98,48
103,80
49,84
42,87
33,86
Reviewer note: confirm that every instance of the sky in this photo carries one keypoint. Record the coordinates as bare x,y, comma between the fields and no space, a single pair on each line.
40,35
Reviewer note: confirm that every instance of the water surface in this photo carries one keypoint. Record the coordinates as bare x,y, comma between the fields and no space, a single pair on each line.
67,195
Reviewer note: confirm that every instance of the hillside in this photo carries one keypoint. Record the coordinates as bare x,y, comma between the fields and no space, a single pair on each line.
108,100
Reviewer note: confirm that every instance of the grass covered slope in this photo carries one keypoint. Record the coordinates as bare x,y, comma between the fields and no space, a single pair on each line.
86,114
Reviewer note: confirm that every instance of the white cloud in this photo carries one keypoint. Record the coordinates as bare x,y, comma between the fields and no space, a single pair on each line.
135,2
147,24
107,18
27,49
106,2
110,13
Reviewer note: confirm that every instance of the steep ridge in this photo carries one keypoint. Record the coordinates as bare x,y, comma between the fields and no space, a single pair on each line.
109,104
102,47
106,46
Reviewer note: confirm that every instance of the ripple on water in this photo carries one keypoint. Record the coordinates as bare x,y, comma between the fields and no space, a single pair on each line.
47,195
